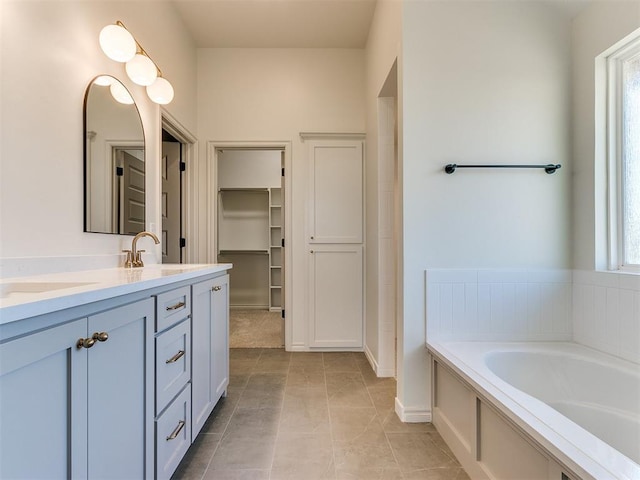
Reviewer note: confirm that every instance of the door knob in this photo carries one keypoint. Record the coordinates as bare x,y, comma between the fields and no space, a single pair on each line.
85,343
100,336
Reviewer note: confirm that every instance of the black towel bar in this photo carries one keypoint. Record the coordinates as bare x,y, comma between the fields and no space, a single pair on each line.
549,168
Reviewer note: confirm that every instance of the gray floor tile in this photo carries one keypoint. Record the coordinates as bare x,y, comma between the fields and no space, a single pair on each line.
305,410
242,452
196,461
417,451
303,456
340,362
244,474
306,375
306,416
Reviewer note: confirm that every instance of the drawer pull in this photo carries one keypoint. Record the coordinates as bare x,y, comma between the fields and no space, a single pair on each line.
176,306
177,431
176,357
217,288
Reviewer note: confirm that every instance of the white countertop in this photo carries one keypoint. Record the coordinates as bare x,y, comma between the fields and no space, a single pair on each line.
26,297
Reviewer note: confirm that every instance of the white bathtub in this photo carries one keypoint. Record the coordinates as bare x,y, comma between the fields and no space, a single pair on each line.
579,406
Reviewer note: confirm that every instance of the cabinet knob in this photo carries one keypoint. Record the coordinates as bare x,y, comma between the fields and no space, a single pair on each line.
100,336
217,288
85,343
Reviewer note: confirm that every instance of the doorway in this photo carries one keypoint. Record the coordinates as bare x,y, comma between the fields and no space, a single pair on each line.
172,167
250,234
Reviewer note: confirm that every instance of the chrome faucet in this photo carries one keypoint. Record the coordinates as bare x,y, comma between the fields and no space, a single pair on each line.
134,257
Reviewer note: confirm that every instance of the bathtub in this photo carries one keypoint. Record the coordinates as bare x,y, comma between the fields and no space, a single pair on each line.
537,410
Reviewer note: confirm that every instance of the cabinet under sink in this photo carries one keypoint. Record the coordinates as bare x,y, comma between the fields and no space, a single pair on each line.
88,392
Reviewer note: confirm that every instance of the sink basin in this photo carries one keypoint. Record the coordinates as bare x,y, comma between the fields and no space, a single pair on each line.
16,288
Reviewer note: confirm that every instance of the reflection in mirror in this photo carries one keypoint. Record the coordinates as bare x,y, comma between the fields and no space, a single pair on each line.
114,167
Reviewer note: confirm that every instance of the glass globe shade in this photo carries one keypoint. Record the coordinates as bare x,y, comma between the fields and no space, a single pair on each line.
103,80
160,91
120,93
141,70
117,43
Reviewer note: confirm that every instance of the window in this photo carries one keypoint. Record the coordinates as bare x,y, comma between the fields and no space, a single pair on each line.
623,151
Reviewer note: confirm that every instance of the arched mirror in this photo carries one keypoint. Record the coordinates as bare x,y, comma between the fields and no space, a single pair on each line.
114,166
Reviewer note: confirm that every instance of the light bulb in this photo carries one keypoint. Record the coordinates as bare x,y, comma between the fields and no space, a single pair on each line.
103,80
141,70
120,93
160,91
117,43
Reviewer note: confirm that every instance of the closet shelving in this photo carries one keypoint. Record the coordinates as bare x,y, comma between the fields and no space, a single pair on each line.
250,237
249,226
275,249
243,239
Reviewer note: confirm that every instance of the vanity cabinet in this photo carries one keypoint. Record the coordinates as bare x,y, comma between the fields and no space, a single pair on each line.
73,406
107,386
173,379
210,347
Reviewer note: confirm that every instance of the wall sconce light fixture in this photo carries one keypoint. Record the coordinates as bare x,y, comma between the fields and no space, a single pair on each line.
120,45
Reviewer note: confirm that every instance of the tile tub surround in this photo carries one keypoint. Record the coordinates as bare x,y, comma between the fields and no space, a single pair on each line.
93,286
498,305
308,416
606,312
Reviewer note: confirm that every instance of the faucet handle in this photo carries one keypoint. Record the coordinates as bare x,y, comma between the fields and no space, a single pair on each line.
137,262
128,263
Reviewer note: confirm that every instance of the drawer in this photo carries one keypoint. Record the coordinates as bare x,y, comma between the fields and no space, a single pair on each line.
171,307
173,435
173,362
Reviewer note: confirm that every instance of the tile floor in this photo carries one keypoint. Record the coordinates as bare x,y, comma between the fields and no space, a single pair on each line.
313,416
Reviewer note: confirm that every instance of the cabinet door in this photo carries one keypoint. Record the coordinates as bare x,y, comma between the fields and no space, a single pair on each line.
220,344
336,296
210,351
43,398
120,393
336,203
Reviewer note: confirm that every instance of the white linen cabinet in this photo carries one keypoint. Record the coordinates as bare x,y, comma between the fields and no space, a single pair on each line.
335,242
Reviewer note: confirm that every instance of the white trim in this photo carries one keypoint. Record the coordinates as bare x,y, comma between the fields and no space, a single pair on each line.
332,135
608,119
211,210
190,222
412,414
380,372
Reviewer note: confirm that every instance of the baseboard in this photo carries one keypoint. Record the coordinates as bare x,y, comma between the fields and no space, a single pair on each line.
371,359
412,414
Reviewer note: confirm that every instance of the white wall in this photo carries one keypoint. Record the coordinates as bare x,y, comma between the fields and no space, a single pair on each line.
382,50
271,95
595,30
50,52
483,82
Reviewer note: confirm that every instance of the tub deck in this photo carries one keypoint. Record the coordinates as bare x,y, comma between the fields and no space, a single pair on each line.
467,395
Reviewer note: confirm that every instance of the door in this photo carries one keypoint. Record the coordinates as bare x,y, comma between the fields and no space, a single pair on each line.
43,398
210,347
131,174
336,284
120,393
171,202
336,209
335,243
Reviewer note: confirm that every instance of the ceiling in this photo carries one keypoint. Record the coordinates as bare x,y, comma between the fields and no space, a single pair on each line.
295,23
277,23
